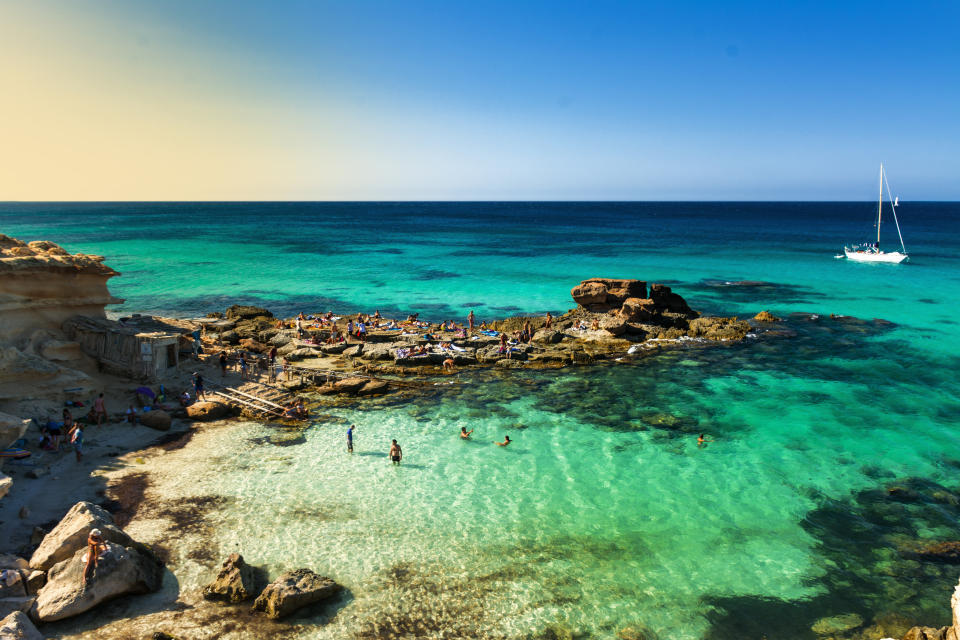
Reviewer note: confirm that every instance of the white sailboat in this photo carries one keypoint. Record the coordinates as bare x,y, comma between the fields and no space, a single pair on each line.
870,251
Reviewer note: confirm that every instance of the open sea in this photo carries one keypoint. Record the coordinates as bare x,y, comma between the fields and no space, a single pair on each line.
834,463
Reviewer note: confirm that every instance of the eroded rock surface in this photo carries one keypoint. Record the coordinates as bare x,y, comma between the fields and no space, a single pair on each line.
120,571
234,583
71,533
293,590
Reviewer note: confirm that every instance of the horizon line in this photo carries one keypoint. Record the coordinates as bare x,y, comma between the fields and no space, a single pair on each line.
489,201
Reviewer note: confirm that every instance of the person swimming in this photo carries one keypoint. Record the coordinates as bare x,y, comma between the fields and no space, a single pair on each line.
464,433
506,441
702,441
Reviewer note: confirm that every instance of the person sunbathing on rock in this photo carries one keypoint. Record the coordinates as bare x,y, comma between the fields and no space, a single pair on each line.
96,547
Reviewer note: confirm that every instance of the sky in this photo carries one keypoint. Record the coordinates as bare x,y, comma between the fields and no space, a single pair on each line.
479,100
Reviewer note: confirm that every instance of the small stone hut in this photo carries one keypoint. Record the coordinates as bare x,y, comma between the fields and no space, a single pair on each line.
141,347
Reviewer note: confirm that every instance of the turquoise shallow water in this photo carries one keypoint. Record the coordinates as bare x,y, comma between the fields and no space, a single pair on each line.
603,513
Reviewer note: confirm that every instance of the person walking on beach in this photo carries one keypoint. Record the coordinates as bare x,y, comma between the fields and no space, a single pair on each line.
223,364
198,386
506,441
99,409
243,367
350,439
396,453
464,433
77,441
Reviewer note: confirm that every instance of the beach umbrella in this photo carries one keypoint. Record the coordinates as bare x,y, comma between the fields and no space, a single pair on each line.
147,391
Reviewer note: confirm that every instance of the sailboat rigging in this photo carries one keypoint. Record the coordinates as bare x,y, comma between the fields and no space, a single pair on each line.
870,251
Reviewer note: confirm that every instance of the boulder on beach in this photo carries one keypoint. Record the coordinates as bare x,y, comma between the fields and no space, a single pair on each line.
293,590
234,583
17,626
16,604
12,429
548,336
120,571
156,419
71,533
206,410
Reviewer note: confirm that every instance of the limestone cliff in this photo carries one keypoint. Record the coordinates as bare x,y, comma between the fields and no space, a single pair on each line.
41,285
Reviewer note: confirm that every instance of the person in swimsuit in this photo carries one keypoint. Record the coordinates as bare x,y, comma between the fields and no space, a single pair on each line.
96,547
464,433
350,438
396,453
549,320
470,320
702,441
77,440
243,367
223,363
506,441
99,409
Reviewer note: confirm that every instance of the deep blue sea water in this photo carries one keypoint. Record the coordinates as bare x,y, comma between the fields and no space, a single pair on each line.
604,514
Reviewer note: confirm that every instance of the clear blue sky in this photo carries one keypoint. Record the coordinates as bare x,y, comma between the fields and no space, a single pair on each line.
515,100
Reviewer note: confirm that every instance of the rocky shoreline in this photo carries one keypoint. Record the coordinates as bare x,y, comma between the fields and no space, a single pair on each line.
43,366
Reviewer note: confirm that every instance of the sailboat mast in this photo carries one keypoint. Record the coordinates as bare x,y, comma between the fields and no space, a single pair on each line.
880,204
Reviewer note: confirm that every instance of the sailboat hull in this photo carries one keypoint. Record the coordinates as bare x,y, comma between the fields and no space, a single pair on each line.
893,257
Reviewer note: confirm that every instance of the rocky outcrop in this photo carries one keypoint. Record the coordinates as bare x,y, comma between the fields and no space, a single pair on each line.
293,590
234,583
607,292
628,300
70,535
41,285
6,483
17,626
766,316
245,312
119,571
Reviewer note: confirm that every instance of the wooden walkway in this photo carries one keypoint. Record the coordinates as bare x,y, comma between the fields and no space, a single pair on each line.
259,400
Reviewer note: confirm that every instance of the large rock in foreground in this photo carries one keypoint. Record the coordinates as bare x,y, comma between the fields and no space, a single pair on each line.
293,590
120,571
71,533
17,626
234,583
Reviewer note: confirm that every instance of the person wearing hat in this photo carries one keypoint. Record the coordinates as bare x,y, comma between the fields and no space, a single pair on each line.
95,548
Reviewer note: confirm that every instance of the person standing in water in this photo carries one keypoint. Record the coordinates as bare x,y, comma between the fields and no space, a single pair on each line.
464,433
350,439
396,453
506,441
